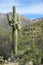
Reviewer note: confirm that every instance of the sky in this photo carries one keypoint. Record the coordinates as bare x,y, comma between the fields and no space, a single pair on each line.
29,8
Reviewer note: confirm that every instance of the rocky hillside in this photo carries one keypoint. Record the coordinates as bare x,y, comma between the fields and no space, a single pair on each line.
24,21
4,23
28,32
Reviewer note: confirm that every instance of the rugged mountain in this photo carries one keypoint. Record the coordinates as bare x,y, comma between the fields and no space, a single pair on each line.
4,23
24,21
37,19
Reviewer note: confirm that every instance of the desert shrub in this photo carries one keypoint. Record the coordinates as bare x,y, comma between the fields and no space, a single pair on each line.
5,46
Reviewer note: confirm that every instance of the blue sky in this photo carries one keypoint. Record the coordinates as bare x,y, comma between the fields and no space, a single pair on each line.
29,8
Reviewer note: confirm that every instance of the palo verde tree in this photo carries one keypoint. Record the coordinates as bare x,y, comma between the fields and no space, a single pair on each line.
15,24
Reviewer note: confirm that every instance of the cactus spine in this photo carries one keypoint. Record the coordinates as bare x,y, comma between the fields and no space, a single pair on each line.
13,22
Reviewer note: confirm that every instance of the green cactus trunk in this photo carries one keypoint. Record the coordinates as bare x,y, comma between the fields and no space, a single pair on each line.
16,41
13,23
15,32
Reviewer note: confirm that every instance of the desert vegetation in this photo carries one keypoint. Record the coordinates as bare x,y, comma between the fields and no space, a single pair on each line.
30,44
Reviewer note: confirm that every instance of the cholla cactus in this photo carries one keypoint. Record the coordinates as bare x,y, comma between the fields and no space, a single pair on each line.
14,23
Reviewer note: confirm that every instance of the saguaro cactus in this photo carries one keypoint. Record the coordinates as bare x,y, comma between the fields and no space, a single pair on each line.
14,23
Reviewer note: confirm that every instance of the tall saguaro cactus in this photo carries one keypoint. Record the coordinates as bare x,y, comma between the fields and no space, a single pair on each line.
14,23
